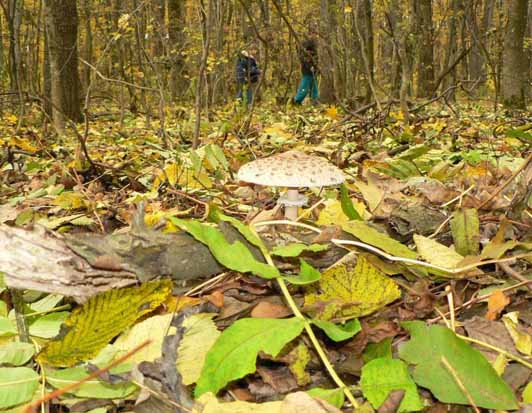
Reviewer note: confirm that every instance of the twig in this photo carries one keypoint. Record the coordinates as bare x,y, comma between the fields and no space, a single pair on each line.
57,393
453,372
450,299
514,274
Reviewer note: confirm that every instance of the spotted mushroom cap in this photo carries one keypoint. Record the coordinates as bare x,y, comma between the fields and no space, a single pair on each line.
292,169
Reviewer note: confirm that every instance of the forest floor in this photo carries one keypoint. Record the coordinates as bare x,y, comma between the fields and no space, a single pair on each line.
452,187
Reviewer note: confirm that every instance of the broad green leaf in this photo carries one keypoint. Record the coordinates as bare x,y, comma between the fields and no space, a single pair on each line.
414,152
234,256
333,214
94,388
102,318
426,349
335,397
436,253
48,325
7,327
465,228
244,230
495,250
294,250
519,134
371,236
16,354
208,403
155,328
347,204
234,354
17,385
307,275
354,293
382,349
339,332
200,335
47,303
384,375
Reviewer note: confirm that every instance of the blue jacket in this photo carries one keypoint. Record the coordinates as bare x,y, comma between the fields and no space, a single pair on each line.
247,69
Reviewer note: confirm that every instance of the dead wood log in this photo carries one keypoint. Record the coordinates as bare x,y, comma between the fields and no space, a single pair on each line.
82,265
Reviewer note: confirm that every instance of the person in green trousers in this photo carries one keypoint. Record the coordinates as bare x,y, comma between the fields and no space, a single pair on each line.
308,56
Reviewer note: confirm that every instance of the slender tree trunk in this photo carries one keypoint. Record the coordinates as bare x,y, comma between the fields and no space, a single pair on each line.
47,78
88,42
425,47
515,64
14,20
62,27
451,48
176,24
327,53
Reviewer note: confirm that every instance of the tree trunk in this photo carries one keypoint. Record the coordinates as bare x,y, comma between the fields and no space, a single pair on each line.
62,26
515,62
451,49
425,62
88,42
14,19
176,19
47,79
327,53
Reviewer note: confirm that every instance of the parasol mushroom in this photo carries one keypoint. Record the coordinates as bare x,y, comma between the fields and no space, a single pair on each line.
293,170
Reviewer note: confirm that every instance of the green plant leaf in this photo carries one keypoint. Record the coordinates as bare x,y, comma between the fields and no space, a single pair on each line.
382,349
7,327
307,275
384,375
465,228
48,325
294,250
94,388
200,335
339,332
527,393
335,397
427,347
234,354
234,256
347,204
16,354
436,253
354,292
371,236
103,317
17,385
244,230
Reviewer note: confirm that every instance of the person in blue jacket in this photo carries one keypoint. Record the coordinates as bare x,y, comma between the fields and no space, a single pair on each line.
308,57
247,75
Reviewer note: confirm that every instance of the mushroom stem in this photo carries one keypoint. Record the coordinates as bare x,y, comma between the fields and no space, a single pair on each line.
290,211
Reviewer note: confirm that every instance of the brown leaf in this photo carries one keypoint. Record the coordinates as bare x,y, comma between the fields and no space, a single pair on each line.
279,378
302,402
496,303
266,309
216,298
491,332
107,262
392,402
330,232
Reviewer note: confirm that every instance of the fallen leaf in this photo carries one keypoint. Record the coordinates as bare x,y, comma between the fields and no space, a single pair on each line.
496,303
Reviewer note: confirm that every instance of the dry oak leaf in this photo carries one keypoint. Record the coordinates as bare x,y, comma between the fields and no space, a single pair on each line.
496,303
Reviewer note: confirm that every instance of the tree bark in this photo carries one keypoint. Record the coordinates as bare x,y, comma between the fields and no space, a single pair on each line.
176,18
14,20
515,62
327,60
62,26
425,48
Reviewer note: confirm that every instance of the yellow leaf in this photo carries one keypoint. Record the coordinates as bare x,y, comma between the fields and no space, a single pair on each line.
348,9
208,403
332,214
155,328
356,292
332,112
69,200
522,340
436,253
103,317
200,335
24,144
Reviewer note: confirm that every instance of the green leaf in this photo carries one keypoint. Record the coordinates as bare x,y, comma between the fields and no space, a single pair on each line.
294,250
414,152
384,375
47,303
234,256
371,236
527,393
90,327
436,253
339,332
519,134
382,349
427,347
94,388
307,275
200,335
335,397
465,228
7,327
347,204
16,354
234,354
48,325
17,385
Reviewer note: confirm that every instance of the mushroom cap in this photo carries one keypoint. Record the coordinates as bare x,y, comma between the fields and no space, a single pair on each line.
292,169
